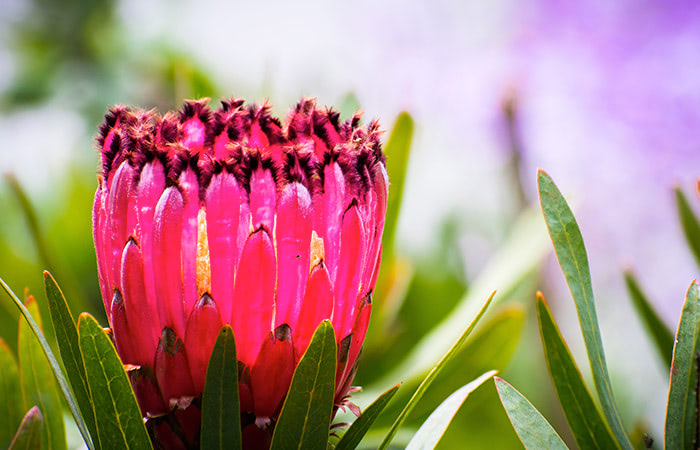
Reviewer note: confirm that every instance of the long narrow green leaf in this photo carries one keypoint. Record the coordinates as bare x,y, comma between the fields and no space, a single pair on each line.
396,150
571,253
119,421
661,335
11,404
681,432
689,223
533,429
305,419
587,424
221,422
29,434
432,375
55,367
69,347
359,427
38,384
429,434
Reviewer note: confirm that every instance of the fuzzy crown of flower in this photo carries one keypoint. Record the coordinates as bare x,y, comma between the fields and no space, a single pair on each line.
204,218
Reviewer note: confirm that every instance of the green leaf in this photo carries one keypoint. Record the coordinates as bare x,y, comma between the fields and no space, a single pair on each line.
38,384
119,421
69,348
433,374
661,335
306,414
29,434
587,424
681,408
221,422
689,223
359,427
55,367
11,404
571,253
533,429
430,433
396,150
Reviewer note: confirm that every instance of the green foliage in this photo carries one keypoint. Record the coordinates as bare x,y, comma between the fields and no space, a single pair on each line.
532,428
689,223
221,424
432,430
119,421
29,434
587,424
571,253
11,403
359,427
38,386
661,335
306,414
681,412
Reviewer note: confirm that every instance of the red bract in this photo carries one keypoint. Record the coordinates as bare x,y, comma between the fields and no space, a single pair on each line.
204,218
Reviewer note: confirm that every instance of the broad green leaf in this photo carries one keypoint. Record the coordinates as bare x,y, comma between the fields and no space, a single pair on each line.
681,408
305,419
533,429
38,386
361,425
221,422
11,404
587,424
69,347
571,253
430,433
433,374
119,421
55,367
689,223
396,150
660,334
29,434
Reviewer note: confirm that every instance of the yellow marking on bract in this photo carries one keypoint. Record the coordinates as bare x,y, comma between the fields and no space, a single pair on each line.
203,266
317,251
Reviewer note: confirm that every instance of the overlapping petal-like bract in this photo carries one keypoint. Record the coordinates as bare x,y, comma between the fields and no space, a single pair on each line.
204,218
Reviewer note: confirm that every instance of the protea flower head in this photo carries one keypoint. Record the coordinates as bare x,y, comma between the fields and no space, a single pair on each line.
204,218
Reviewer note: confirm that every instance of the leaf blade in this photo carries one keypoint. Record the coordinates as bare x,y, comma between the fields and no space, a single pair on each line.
689,223
359,427
29,433
430,433
661,335
11,403
573,260
119,423
532,428
306,414
221,425
582,414
683,371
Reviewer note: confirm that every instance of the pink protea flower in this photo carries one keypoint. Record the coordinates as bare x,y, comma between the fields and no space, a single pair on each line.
204,218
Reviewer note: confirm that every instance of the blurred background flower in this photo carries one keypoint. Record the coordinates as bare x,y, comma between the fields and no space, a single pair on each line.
603,95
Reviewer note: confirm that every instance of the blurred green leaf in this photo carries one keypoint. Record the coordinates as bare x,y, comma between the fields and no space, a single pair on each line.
430,433
119,421
361,425
305,419
587,424
349,105
69,347
533,429
681,410
397,151
660,334
221,422
418,394
38,385
11,404
29,434
571,252
55,367
689,223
